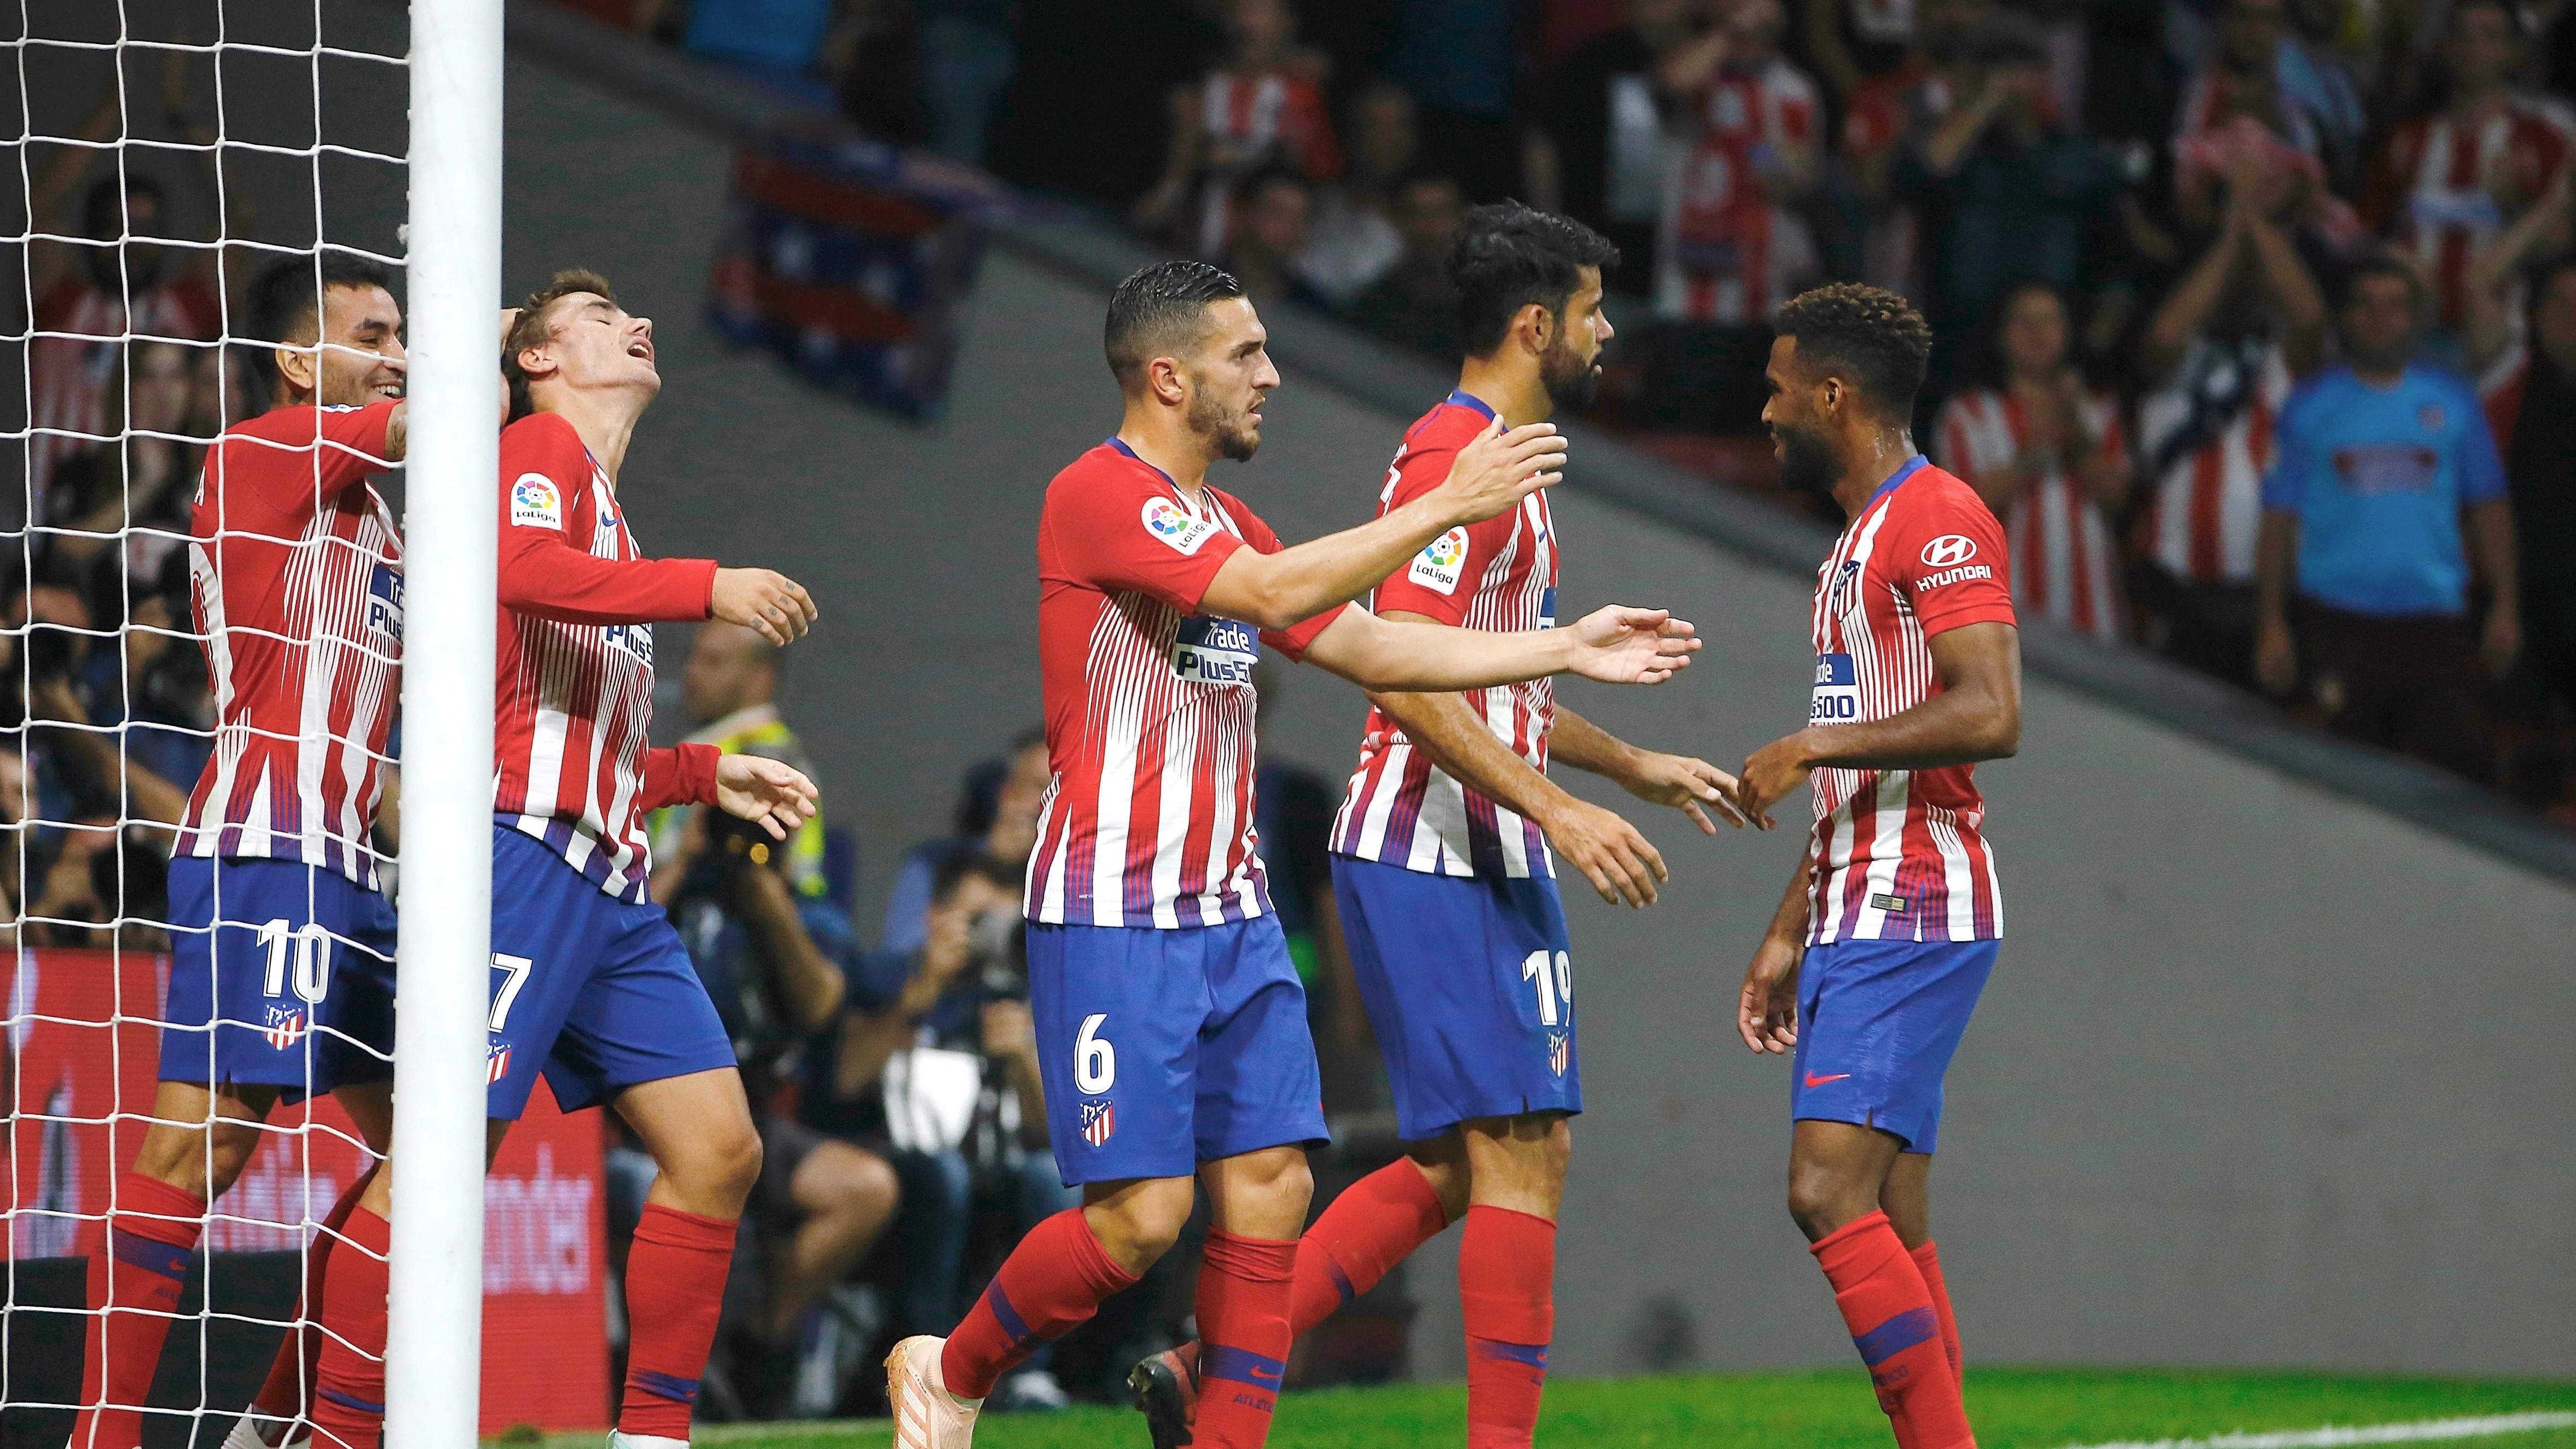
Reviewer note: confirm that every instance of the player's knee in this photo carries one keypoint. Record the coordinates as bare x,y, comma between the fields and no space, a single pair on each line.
1137,1223
1821,1200
204,1161
724,1164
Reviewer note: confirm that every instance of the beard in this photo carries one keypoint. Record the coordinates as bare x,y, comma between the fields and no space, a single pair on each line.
1572,382
1806,460
1236,439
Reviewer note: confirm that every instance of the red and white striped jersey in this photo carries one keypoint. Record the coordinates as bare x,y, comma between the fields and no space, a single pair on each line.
574,667
1500,575
2064,566
73,362
2442,186
1247,121
1730,254
2207,432
1149,702
1899,855
295,581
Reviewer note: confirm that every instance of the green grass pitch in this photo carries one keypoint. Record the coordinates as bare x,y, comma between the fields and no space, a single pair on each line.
2013,1409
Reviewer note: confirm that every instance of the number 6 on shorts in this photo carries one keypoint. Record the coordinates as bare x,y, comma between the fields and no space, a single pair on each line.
1095,1061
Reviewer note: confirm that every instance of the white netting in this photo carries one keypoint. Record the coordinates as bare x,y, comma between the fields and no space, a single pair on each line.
169,154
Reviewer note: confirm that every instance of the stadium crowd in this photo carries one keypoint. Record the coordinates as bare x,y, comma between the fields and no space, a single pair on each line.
2134,227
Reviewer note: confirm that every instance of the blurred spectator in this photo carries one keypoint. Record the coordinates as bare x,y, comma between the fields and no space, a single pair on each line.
2049,458
997,817
1413,305
936,1061
767,958
729,696
966,59
2531,405
1734,247
2493,296
1853,43
2380,461
116,287
2446,181
1459,58
1262,105
1602,129
2238,125
1274,219
1355,239
2316,77
2005,191
1889,112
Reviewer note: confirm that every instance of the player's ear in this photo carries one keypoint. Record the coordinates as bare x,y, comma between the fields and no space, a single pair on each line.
1163,381
1535,327
299,364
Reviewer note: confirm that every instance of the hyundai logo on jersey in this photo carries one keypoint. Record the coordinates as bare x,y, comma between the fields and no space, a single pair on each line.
385,601
1215,651
1837,696
1949,551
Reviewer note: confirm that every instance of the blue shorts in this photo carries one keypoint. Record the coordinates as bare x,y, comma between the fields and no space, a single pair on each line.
1877,1024
1469,988
281,975
596,992
1165,1049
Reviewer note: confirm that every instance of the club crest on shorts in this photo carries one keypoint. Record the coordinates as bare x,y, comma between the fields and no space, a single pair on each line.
1560,1045
285,1026
1099,1119
497,1064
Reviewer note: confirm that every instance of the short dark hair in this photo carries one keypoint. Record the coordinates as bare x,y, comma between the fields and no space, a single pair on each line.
532,329
1157,309
1507,256
286,299
953,873
1867,335
103,208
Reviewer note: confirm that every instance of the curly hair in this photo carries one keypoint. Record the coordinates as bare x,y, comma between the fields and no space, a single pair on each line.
534,328
1868,336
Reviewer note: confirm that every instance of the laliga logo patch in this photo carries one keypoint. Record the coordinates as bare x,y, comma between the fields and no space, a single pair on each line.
1438,566
1173,524
534,503
1099,1120
1949,551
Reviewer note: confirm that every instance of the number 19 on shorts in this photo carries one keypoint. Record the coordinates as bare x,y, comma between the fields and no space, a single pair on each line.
1553,979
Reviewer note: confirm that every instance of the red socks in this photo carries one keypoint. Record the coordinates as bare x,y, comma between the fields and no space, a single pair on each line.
1369,1229
1506,1286
1927,1261
349,1378
1888,1307
288,1391
675,1277
1051,1284
1245,1285
134,1282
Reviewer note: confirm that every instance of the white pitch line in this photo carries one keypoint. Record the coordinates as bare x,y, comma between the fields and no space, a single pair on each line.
2333,1436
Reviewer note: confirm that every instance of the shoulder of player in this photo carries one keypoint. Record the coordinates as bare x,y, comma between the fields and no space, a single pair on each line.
1102,472
292,422
1936,501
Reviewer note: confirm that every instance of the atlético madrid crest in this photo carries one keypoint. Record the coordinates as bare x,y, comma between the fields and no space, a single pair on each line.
285,1027
1559,1046
496,1064
1099,1119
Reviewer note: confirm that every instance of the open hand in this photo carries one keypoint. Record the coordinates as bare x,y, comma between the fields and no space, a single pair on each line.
1619,645
1766,1013
1495,472
1622,865
1686,784
2276,656
755,787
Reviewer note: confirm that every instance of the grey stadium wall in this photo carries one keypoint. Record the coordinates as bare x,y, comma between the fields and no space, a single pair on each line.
2273,1070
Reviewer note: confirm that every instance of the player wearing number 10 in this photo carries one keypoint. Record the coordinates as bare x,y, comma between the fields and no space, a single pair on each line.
1171,1026
282,949
1892,920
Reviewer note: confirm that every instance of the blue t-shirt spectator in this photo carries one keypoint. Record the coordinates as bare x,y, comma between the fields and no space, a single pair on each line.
2377,478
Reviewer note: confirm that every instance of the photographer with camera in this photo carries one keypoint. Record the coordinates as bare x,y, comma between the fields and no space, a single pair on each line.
937,1060
772,961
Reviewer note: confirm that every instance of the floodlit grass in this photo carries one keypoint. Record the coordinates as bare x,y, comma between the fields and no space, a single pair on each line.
2013,1409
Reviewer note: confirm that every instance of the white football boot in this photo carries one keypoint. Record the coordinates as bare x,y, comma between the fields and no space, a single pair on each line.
619,1439
926,1415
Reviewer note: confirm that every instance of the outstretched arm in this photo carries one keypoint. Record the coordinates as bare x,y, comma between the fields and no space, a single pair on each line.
1616,645
1975,716
1490,476
1680,781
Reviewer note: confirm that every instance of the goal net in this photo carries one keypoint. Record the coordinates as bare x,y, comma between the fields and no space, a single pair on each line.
188,173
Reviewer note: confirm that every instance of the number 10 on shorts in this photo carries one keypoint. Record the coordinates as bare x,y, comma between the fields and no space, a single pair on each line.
1553,979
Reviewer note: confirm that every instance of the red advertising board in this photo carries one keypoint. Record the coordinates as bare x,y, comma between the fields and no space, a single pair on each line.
83,1055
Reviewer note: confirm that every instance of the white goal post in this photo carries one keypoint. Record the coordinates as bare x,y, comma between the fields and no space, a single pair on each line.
433,1353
